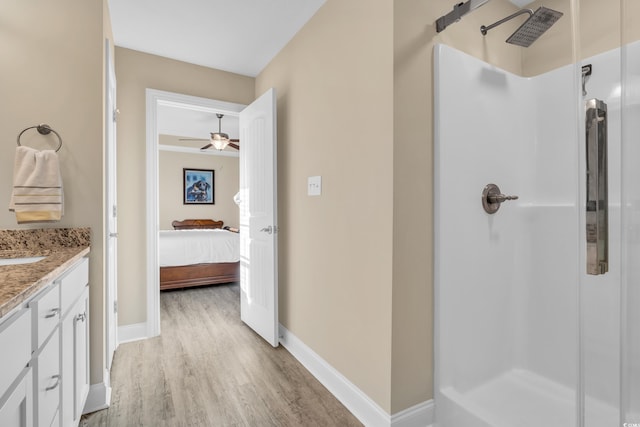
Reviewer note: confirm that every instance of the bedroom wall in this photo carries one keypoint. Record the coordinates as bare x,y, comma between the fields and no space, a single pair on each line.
52,72
226,185
136,71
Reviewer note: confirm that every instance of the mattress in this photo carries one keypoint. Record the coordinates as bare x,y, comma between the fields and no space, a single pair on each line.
186,247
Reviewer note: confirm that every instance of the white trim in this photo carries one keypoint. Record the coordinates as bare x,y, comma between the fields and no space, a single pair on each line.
420,415
99,398
153,99
135,332
355,400
192,150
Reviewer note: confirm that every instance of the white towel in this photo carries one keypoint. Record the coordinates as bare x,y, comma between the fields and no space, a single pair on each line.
37,186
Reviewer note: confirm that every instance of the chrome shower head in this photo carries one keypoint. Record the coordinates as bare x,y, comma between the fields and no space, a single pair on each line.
534,27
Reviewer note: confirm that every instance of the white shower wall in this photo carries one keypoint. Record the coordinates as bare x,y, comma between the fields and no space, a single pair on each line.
510,287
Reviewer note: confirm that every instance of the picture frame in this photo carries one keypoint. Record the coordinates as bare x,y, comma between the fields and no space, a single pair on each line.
198,186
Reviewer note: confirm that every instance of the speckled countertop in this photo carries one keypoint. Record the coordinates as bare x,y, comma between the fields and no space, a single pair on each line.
61,247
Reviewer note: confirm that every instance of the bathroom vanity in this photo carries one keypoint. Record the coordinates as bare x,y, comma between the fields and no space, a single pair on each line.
44,331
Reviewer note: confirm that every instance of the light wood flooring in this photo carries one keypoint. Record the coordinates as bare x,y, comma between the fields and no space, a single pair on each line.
209,369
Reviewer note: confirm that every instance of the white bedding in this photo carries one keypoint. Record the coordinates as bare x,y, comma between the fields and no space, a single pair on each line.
186,247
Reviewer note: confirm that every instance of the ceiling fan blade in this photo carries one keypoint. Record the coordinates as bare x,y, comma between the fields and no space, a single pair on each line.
236,146
234,140
206,146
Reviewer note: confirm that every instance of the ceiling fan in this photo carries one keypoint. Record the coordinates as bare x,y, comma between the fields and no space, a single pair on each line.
219,140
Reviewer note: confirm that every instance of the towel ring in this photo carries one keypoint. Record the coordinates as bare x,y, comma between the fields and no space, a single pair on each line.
42,129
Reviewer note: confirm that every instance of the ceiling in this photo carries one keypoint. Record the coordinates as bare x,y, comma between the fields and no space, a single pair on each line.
240,36
194,124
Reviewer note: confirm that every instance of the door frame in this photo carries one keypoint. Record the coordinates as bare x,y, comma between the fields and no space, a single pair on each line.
111,184
154,99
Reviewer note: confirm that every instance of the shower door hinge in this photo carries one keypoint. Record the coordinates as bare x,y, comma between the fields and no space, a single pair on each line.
115,306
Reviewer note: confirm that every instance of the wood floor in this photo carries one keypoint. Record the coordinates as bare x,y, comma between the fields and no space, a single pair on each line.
209,369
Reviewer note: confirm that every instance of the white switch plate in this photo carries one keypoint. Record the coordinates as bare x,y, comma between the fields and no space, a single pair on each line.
314,185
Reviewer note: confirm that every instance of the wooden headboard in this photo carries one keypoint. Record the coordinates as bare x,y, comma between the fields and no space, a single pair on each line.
189,224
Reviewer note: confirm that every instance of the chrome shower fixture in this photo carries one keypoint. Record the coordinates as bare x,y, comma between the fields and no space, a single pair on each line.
459,10
532,29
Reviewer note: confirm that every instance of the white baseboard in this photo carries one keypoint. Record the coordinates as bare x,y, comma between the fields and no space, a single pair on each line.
135,332
354,399
99,398
420,415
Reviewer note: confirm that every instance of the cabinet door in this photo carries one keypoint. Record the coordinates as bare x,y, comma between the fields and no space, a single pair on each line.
81,354
17,409
75,360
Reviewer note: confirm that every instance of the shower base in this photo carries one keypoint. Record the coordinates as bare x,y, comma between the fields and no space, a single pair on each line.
519,398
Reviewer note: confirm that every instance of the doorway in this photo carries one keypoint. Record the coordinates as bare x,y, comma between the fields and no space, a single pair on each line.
155,100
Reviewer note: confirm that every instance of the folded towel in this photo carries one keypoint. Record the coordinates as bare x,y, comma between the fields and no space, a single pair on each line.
37,186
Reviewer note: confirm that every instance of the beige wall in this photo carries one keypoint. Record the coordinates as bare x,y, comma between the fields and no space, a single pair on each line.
52,72
335,119
135,72
226,185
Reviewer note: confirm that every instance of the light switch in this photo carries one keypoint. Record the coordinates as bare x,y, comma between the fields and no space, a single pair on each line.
314,185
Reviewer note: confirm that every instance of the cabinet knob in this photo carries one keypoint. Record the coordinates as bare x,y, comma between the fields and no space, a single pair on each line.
51,387
53,313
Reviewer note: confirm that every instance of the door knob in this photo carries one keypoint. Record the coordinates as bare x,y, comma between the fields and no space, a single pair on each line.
267,230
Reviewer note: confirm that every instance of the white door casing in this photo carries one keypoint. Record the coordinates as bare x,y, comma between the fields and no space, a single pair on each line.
111,217
258,217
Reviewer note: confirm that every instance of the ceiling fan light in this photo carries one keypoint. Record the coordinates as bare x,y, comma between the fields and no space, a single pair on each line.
219,140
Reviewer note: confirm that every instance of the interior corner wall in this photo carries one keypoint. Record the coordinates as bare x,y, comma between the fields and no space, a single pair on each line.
335,119
52,72
414,38
170,184
135,72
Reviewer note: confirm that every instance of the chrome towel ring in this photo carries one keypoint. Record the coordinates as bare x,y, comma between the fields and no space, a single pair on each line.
42,129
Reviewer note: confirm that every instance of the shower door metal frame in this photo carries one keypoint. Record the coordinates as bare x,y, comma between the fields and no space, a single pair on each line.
597,203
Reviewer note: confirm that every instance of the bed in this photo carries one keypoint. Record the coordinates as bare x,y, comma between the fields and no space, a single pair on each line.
198,252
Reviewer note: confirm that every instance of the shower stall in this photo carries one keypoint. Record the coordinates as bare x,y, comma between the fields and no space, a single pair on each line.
537,227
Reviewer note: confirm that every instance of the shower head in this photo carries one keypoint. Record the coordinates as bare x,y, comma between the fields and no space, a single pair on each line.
534,27
539,22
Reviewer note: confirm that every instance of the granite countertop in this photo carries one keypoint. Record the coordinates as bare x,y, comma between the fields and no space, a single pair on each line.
61,247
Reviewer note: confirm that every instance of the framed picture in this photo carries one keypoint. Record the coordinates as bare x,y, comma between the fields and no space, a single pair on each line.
198,188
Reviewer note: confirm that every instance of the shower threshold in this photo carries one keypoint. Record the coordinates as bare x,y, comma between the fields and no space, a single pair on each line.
524,399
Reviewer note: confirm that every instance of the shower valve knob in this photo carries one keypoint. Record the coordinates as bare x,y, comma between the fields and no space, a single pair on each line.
499,198
492,198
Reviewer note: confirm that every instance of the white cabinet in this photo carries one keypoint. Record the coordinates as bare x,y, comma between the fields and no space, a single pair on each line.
75,359
16,395
44,344
45,339
16,410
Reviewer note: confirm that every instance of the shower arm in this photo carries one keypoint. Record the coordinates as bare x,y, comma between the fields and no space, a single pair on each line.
485,29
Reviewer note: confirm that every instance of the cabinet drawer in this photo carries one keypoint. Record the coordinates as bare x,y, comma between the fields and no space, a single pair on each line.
48,381
45,310
15,345
72,285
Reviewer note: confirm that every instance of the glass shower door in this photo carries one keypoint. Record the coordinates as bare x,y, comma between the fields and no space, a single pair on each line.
630,294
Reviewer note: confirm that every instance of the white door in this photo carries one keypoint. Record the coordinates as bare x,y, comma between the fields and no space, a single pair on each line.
258,220
111,214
